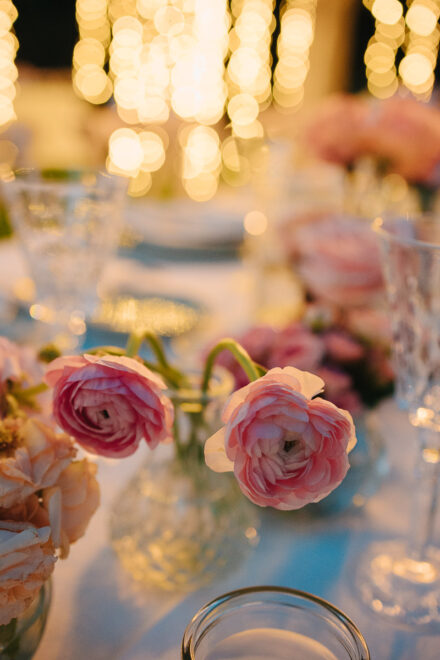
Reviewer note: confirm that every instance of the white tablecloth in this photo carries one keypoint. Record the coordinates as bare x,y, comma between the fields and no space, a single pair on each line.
98,613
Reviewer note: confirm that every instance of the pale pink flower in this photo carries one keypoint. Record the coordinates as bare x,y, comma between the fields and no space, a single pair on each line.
33,458
286,449
110,403
405,134
26,561
339,389
340,261
71,503
298,347
341,347
335,132
372,325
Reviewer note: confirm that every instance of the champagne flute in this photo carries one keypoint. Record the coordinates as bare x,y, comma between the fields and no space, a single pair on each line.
400,579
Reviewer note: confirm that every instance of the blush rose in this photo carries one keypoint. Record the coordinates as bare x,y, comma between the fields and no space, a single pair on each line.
109,403
286,449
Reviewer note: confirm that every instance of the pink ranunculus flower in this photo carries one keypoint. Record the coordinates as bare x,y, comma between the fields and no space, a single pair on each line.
405,134
339,389
286,449
33,458
341,347
336,130
298,347
340,261
110,403
26,561
71,503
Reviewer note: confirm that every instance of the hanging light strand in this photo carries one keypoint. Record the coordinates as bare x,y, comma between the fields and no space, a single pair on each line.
8,70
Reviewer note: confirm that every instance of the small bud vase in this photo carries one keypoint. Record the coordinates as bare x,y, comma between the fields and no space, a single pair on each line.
177,524
19,639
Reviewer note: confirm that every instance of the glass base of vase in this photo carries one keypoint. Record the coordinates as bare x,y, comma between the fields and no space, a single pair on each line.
402,589
178,527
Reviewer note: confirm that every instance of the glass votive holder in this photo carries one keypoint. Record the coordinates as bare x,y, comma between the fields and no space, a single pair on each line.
272,622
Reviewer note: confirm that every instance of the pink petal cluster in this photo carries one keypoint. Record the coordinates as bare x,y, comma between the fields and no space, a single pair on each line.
26,561
406,135
402,133
72,503
109,403
286,449
339,261
36,456
335,131
296,346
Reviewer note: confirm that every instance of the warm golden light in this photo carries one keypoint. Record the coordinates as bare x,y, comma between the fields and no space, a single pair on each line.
422,19
387,11
255,223
415,69
8,70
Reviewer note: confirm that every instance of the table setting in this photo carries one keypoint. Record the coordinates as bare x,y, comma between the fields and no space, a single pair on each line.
219,331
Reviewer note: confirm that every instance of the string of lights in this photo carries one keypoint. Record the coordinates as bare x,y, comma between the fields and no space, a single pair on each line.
416,33
8,70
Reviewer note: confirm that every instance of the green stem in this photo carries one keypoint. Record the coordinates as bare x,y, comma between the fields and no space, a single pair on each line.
174,377
32,391
134,342
243,358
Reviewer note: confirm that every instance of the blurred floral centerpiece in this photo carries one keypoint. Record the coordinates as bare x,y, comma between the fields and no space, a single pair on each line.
400,135
47,498
178,523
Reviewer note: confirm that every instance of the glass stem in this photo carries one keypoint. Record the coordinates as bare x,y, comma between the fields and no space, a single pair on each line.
425,495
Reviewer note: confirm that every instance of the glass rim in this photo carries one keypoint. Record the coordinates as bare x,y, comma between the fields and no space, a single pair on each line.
205,610
378,227
58,178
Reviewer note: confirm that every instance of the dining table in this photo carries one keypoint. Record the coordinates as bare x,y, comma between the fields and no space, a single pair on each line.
99,612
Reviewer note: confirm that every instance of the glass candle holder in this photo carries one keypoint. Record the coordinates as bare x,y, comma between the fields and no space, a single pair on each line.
272,622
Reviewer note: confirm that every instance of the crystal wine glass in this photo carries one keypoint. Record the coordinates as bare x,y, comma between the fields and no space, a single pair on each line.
68,224
401,579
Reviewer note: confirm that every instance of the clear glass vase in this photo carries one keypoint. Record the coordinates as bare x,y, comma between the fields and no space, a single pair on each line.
19,639
177,524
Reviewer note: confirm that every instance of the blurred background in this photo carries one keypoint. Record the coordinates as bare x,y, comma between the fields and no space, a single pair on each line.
75,72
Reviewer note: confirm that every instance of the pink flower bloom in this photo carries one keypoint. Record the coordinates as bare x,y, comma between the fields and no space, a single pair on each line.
339,389
336,130
340,261
71,503
26,561
285,448
341,347
298,347
372,325
34,459
110,403
406,135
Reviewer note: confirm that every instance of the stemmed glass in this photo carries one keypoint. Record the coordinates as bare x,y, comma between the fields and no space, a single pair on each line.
68,224
401,579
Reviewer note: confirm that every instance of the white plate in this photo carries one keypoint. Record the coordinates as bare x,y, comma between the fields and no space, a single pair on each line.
187,224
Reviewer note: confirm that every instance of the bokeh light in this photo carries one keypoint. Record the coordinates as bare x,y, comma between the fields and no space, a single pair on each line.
8,70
